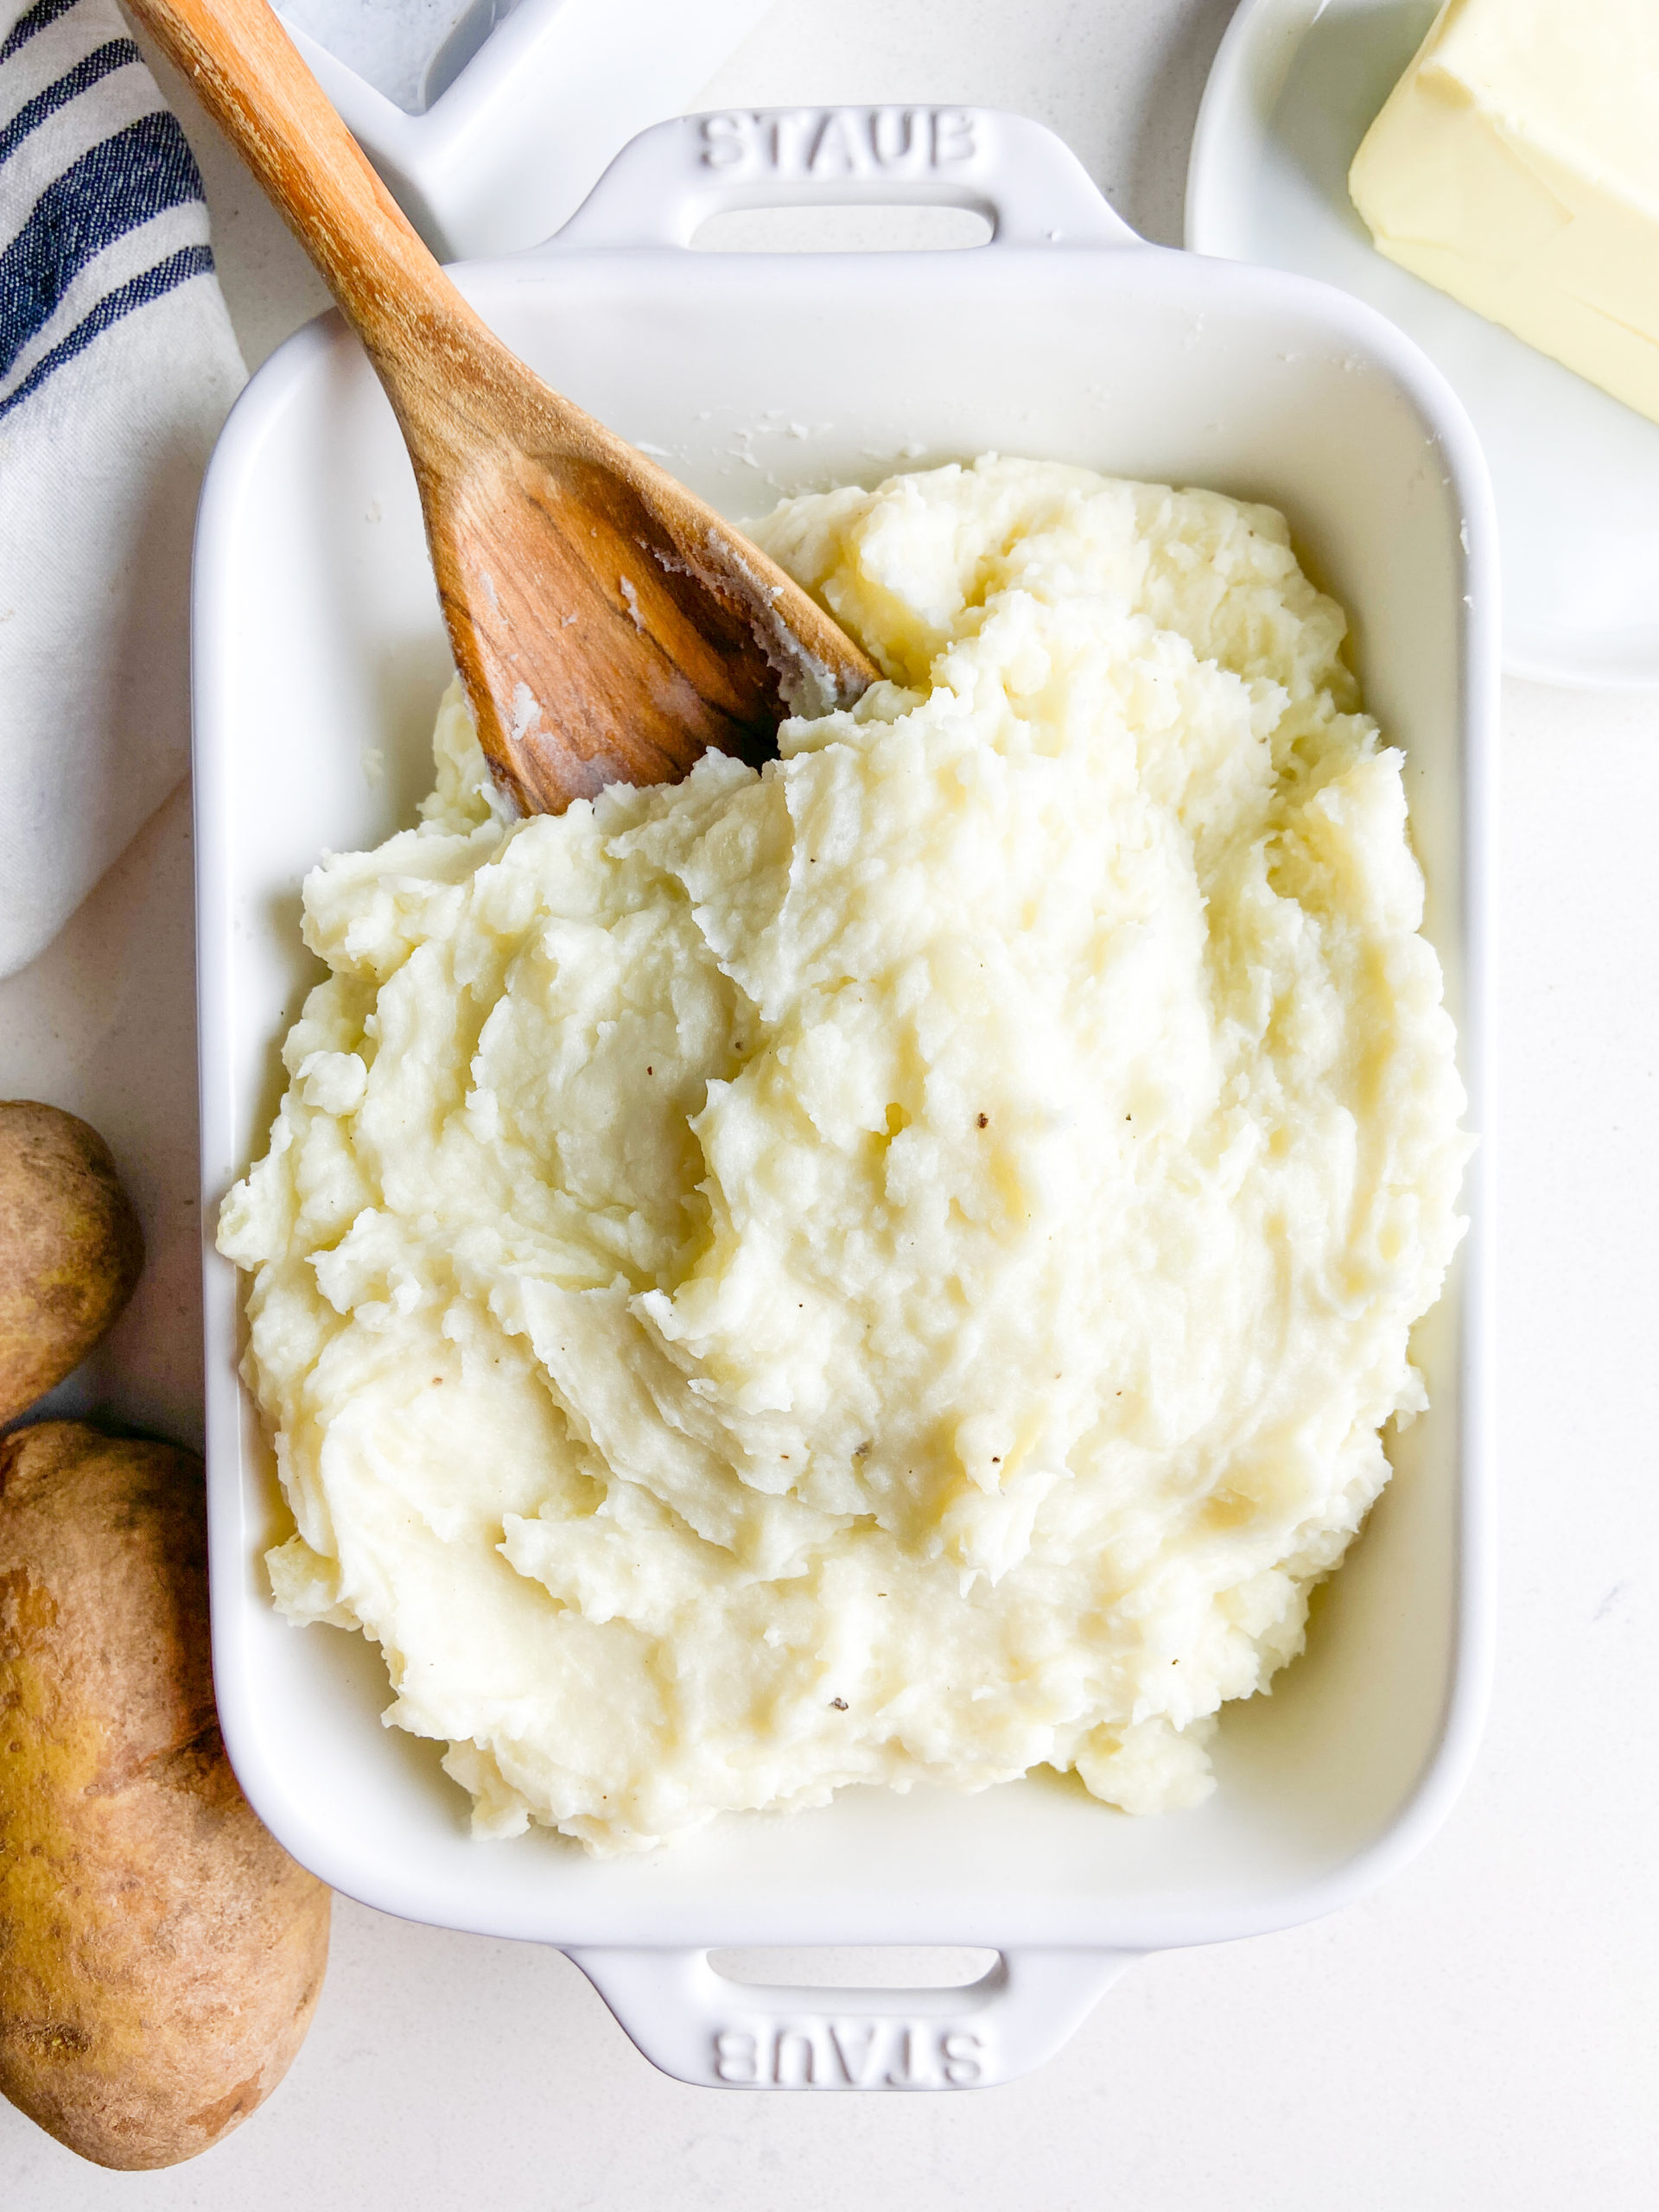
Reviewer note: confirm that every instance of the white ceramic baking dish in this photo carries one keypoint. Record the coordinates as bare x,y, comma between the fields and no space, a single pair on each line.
319,658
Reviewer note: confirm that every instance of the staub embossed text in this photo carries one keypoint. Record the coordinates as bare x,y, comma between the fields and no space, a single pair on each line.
851,2054
823,144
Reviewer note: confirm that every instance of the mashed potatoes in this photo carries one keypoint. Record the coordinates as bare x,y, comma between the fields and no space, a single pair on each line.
892,1267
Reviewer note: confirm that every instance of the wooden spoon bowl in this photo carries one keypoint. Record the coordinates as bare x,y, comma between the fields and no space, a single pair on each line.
608,626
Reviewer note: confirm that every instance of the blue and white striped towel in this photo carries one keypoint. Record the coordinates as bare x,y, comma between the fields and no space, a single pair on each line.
117,367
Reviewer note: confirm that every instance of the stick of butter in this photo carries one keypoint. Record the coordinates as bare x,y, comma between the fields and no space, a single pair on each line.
1516,167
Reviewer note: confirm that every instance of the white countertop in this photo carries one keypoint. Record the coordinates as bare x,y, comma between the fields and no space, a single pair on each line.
1483,2031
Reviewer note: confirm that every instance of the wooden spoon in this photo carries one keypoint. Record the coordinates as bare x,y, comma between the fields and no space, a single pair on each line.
608,626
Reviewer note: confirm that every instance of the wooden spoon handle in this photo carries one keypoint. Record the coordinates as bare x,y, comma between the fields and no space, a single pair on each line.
249,76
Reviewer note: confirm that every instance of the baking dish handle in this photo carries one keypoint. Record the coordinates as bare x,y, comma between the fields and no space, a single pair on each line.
669,181
700,2026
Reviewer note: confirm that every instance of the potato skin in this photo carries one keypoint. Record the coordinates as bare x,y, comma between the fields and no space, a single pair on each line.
160,1956
71,1248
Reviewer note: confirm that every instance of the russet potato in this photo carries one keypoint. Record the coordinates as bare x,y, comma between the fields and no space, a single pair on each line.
71,1248
160,1956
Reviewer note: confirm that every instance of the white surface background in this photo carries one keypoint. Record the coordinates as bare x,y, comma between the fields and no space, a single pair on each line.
1481,2033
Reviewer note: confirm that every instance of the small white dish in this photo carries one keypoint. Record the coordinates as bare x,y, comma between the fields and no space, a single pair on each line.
319,657
1293,89
511,143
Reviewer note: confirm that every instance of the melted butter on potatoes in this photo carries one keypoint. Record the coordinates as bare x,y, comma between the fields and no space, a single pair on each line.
892,1267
